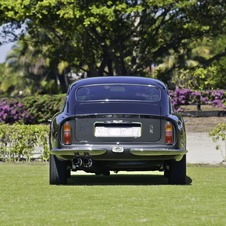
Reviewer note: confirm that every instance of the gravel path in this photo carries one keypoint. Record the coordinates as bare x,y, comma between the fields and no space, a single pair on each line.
201,149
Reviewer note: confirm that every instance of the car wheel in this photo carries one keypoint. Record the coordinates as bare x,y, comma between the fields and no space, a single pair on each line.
68,168
177,172
68,173
57,171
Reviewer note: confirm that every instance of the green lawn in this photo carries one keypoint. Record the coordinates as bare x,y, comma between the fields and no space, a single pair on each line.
26,198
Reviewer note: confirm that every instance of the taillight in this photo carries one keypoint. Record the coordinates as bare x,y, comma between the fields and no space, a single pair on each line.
67,133
169,133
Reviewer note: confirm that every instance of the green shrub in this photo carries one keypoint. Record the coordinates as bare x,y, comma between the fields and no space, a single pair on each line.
39,109
219,133
18,141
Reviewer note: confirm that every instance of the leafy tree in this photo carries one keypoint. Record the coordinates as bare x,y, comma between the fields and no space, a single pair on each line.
115,37
2,74
185,66
218,47
198,78
198,68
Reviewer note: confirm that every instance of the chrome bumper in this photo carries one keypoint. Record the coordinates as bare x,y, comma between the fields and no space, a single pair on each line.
78,151
156,152
97,150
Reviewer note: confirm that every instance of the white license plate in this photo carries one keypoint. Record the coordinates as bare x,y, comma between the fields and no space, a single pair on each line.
103,131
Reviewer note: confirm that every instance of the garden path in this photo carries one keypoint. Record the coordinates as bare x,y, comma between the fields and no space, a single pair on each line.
201,149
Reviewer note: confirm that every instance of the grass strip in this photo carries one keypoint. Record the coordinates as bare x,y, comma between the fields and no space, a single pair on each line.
26,198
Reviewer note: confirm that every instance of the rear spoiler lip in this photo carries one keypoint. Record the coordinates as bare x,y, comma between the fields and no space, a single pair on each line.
102,114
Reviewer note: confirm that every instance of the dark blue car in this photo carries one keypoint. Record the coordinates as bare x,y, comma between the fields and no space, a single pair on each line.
117,124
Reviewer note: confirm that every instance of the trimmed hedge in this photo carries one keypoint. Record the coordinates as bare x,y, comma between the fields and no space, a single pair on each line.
38,109
18,142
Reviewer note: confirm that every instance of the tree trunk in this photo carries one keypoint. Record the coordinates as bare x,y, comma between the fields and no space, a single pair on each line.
110,69
57,78
65,78
103,64
92,70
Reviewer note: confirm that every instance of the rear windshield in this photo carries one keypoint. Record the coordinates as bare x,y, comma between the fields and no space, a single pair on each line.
118,92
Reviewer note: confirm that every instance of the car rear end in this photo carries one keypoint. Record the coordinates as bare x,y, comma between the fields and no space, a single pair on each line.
113,127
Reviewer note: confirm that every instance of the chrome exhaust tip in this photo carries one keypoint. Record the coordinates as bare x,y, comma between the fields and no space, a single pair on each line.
87,162
77,162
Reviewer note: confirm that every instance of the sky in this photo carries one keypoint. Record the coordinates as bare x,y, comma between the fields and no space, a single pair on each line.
4,49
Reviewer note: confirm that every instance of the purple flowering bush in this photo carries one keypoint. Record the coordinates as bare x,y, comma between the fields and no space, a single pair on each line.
11,110
207,97
30,110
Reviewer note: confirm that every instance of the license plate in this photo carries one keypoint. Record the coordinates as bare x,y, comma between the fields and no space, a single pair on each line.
103,131
117,149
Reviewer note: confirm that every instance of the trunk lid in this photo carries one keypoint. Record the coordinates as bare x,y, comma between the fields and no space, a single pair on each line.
117,122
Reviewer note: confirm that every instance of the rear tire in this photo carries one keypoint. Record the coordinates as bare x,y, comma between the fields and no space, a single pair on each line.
68,173
177,172
57,171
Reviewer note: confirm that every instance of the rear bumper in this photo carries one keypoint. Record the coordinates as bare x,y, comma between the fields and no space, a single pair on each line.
81,151
156,152
129,152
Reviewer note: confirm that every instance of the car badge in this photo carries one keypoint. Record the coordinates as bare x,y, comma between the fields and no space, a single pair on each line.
151,128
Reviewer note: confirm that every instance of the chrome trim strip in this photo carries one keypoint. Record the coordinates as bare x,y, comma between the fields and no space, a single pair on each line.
115,83
157,152
78,151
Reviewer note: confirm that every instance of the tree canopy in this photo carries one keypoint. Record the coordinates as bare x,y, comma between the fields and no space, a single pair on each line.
116,36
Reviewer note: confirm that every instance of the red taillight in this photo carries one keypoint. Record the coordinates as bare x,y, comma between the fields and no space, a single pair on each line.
67,133
169,133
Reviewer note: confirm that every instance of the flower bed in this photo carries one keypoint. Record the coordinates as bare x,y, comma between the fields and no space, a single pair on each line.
207,97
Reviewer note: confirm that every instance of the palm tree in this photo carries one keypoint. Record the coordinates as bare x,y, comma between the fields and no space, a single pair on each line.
24,66
29,72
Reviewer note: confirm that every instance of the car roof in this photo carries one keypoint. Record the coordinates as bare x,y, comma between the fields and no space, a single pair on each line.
120,79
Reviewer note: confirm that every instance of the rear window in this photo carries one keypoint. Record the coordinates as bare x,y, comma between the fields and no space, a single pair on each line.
118,92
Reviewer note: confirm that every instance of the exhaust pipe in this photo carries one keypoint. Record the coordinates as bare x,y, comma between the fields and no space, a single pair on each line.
77,162
87,162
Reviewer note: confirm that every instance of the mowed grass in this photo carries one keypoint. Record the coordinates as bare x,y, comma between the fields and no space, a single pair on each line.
26,198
